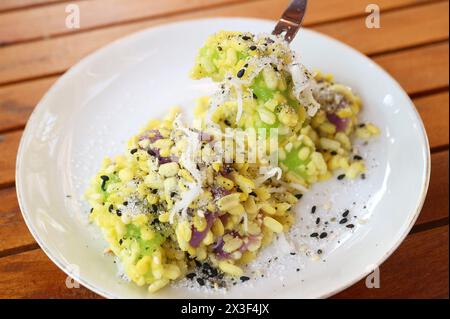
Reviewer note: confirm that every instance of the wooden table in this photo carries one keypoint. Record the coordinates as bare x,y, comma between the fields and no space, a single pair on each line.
412,44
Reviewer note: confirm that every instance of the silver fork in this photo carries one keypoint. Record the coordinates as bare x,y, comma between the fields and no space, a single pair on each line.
291,20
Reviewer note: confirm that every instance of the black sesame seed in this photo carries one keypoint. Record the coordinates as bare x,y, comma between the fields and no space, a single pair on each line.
345,214
134,150
246,38
350,226
118,213
244,278
298,196
333,153
293,254
323,235
357,158
120,241
246,65
363,176
314,235
201,281
110,208
362,125
240,73
90,212
298,269
191,275
219,48
343,221
319,251
317,221
340,177
313,209
253,47
104,180
125,203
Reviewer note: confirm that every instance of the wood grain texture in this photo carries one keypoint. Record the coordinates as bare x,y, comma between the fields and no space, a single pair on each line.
418,269
434,111
9,144
36,59
435,207
397,29
421,69
13,231
47,21
15,235
44,22
33,275
20,4
18,101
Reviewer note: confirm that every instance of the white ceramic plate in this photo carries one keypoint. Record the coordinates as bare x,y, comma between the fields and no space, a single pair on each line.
98,104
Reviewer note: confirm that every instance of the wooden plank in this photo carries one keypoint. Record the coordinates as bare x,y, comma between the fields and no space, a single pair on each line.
434,111
41,58
436,203
44,22
421,69
20,4
9,144
33,275
18,101
397,30
418,269
14,233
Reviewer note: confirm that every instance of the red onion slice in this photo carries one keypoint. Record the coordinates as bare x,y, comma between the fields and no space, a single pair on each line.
340,123
198,236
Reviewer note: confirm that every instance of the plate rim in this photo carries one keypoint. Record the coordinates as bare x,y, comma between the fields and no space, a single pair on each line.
84,60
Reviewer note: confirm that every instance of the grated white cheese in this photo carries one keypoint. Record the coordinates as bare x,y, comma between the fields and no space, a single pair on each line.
298,187
268,173
188,161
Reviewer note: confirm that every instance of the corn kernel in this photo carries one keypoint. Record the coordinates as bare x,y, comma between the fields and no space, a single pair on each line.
273,224
143,265
232,244
171,271
164,217
266,116
226,183
230,269
169,169
217,228
157,285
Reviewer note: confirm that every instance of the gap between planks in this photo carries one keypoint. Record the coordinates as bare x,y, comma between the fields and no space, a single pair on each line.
352,32
386,7
30,4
